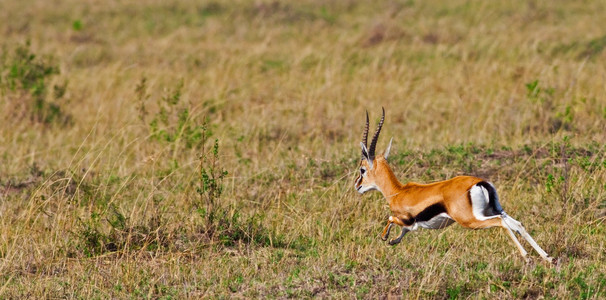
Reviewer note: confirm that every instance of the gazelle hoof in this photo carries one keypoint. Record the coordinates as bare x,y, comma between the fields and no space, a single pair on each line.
394,242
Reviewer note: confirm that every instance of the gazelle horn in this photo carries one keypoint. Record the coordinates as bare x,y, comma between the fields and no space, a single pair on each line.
373,143
365,135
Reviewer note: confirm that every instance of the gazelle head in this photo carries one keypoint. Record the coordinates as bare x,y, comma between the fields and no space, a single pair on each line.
372,168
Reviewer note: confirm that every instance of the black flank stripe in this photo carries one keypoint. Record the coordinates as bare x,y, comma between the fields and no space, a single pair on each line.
430,212
409,221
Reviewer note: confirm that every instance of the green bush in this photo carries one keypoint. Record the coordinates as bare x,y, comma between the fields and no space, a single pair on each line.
24,81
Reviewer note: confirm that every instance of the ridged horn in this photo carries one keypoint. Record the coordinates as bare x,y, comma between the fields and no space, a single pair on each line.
365,135
373,143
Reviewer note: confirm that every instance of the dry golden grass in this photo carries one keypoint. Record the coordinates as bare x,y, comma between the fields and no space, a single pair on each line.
93,204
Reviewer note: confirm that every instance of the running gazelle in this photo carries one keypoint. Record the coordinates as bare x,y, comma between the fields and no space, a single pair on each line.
469,201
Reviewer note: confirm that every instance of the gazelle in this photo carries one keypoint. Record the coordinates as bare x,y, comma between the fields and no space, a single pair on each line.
469,201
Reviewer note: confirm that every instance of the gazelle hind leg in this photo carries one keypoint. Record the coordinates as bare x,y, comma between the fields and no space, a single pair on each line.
517,226
514,238
497,221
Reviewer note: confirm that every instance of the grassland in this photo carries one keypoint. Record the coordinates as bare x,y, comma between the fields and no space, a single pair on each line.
208,149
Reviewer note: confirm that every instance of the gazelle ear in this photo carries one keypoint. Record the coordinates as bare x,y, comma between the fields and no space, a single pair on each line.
388,149
365,154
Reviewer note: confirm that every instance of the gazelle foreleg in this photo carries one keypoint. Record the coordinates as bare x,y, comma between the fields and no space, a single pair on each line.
399,222
397,240
387,229
390,223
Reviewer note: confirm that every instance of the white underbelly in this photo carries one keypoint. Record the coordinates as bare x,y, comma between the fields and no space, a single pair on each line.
439,221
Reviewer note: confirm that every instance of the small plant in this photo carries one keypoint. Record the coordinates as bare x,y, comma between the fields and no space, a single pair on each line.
220,222
173,123
533,89
454,292
543,99
25,76
142,97
549,183
593,48
122,235
77,25
92,240
211,177
537,93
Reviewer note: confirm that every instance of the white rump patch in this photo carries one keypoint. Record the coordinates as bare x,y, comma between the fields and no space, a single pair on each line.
479,202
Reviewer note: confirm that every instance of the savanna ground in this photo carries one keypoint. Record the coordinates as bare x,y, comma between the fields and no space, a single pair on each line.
208,149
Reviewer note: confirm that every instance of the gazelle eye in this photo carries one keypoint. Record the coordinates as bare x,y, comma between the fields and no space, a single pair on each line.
362,171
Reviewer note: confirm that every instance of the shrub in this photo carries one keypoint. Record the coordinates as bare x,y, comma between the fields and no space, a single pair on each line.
24,82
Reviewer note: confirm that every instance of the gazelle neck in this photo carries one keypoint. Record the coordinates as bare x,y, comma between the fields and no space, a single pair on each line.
386,181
